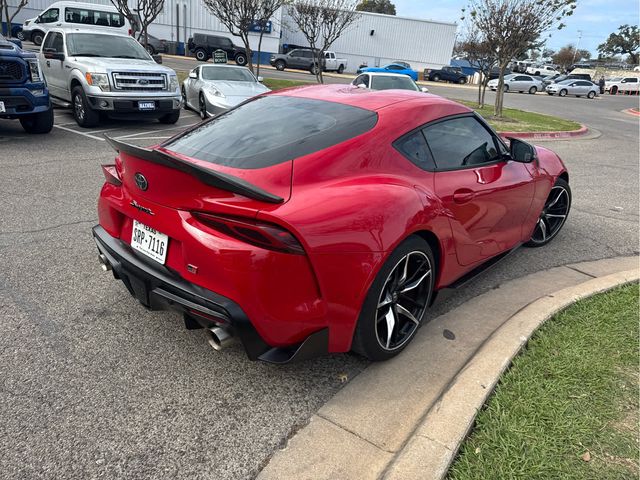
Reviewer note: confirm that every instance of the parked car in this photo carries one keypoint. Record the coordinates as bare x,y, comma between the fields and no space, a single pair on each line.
518,83
495,72
448,74
99,73
578,88
401,63
23,91
392,68
314,220
70,14
542,70
154,45
560,78
624,84
202,47
304,59
519,66
214,89
387,81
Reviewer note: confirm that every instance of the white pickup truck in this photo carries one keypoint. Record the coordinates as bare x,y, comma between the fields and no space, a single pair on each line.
334,64
99,73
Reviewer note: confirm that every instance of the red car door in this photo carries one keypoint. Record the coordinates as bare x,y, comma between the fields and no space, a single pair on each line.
486,196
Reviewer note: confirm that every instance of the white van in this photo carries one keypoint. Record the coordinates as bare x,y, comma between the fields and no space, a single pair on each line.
74,14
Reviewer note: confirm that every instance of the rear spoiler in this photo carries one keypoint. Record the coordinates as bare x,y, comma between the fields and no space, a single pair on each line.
209,177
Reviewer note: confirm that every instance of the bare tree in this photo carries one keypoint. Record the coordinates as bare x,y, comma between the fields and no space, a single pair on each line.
267,9
239,17
8,18
141,15
322,22
513,26
567,56
480,55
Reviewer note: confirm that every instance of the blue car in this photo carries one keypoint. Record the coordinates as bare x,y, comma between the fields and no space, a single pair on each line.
392,68
23,90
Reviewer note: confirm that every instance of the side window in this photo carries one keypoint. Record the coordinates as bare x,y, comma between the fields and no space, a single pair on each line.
395,67
48,41
359,80
460,142
225,42
50,16
53,42
295,53
415,148
631,80
365,80
306,54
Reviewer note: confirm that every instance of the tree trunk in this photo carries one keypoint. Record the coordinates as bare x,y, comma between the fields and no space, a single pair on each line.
6,15
480,89
500,92
146,38
247,47
318,60
259,49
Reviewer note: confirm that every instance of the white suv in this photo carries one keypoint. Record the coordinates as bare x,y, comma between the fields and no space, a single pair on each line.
96,72
542,70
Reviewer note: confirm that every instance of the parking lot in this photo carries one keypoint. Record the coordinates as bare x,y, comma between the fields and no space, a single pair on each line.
94,386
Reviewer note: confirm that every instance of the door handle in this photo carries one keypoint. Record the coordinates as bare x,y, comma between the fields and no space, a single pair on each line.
463,195
48,63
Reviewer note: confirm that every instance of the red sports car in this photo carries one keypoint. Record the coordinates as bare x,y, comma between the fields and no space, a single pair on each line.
322,219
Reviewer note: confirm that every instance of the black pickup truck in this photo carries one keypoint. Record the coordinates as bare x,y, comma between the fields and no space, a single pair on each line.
448,74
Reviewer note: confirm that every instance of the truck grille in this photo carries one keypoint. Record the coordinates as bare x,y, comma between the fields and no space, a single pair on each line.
139,81
10,70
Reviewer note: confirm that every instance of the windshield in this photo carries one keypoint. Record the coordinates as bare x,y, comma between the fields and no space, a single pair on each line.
387,83
111,46
231,74
615,79
273,129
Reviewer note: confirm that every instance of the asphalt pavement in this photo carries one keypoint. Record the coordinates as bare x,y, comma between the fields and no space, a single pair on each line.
94,386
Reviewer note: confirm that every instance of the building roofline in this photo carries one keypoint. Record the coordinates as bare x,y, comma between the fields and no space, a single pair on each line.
426,20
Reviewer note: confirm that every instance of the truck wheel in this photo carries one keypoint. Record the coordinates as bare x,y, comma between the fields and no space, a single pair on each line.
82,112
280,65
314,69
436,78
20,35
38,122
341,68
37,37
462,81
614,90
201,55
241,59
170,118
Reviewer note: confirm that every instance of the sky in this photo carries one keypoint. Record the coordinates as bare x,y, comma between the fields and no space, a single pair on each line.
595,18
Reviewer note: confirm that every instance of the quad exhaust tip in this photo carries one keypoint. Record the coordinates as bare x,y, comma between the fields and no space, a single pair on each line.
104,263
219,338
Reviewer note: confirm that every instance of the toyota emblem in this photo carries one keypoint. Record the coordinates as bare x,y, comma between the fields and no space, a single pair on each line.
141,181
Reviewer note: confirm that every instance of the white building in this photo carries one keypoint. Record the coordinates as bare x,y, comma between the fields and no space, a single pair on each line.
374,39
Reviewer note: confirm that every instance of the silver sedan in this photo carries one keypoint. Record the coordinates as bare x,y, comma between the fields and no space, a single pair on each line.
518,83
575,87
214,89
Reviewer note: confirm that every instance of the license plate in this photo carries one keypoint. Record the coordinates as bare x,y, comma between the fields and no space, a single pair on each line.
2,109
149,241
146,105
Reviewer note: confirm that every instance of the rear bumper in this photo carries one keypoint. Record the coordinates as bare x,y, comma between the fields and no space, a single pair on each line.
19,101
158,288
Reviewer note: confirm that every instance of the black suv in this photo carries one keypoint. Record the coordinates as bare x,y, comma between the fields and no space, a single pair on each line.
202,46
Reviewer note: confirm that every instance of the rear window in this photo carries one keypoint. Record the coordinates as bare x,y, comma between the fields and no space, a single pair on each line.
388,83
273,129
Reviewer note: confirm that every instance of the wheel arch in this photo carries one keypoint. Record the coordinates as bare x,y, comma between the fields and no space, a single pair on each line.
565,176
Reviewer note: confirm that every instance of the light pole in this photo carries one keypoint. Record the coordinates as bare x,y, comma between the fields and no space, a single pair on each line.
575,52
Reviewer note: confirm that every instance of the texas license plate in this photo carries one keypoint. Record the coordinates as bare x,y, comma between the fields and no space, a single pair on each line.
146,105
2,109
149,241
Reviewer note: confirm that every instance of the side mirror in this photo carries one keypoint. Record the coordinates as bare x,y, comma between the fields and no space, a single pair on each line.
362,85
260,79
520,151
193,75
51,54
424,90
157,58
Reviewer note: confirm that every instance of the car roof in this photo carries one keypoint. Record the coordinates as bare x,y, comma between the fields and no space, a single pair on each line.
386,74
98,31
90,6
363,98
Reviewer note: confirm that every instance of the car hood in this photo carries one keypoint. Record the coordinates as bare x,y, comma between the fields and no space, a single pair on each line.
103,63
236,92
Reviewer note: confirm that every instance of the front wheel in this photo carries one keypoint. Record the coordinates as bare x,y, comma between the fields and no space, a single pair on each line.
20,35
170,118
151,50
591,95
562,93
38,122
613,91
462,81
241,59
37,37
436,78
341,69
553,216
280,65
202,107
533,90
396,302
83,114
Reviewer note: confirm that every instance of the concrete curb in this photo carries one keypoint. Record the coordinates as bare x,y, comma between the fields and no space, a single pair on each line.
387,425
571,134
632,111
439,432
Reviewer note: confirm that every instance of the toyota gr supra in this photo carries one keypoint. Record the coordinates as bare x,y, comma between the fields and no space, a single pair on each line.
322,219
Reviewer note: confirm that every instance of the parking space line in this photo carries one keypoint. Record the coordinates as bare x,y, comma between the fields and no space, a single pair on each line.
79,133
132,135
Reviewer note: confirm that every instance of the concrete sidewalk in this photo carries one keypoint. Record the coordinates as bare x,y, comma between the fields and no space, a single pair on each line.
405,418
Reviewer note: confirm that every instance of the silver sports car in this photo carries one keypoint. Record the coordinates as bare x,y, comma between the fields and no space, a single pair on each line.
213,89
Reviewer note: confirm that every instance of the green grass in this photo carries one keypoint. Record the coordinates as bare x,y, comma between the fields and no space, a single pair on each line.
573,390
515,120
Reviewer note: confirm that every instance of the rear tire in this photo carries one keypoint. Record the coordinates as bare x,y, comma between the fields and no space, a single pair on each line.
394,307
170,118
280,65
38,122
436,78
505,88
341,69
562,93
151,50
533,90
591,95
314,69
241,59
37,37
201,55
83,114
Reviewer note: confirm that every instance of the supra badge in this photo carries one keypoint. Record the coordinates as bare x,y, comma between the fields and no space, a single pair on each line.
136,205
141,181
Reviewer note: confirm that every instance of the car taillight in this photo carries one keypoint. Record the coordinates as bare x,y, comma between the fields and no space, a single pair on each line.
111,175
131,32
261,234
